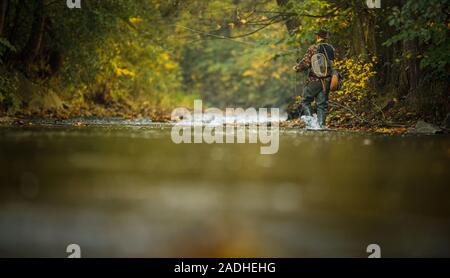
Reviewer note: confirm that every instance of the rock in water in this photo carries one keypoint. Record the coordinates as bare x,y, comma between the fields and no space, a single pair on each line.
423,127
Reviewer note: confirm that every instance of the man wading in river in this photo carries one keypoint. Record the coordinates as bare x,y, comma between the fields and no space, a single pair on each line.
318,62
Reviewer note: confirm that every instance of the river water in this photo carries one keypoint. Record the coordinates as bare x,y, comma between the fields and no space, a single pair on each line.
124,189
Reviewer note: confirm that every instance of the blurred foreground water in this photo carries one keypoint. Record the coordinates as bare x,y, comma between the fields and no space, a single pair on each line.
123,189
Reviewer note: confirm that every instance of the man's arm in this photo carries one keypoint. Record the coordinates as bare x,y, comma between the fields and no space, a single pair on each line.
305,63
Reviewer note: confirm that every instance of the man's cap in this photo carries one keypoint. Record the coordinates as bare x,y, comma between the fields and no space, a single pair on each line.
322,33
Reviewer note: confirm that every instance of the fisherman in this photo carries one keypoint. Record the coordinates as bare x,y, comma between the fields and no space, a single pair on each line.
317,88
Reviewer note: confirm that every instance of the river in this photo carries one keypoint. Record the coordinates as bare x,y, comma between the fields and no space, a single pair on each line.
124,189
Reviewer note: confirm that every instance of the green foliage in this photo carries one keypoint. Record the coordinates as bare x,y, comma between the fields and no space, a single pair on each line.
108,51
5,45
9,101
427,22
228,63
225,73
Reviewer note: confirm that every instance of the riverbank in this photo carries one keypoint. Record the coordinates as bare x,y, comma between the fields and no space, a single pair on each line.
108,118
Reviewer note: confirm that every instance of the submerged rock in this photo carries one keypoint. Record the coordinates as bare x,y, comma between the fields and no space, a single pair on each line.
423,127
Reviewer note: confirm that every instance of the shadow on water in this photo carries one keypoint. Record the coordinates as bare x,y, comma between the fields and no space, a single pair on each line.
124,189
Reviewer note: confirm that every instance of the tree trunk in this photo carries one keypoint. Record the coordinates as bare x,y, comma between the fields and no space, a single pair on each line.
358,41
410,73
363,30
31,49
3,10
12,33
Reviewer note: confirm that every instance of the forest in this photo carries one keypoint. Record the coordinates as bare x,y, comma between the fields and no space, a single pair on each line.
183,129
142,58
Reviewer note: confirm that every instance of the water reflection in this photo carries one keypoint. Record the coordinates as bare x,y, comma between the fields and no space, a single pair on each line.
127,190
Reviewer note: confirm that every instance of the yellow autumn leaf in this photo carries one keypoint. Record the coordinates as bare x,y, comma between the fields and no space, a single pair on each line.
164,56
124,72
135,20
248,73
170,66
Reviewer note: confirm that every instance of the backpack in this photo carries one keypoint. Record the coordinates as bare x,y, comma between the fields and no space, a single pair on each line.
322,66
322,61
